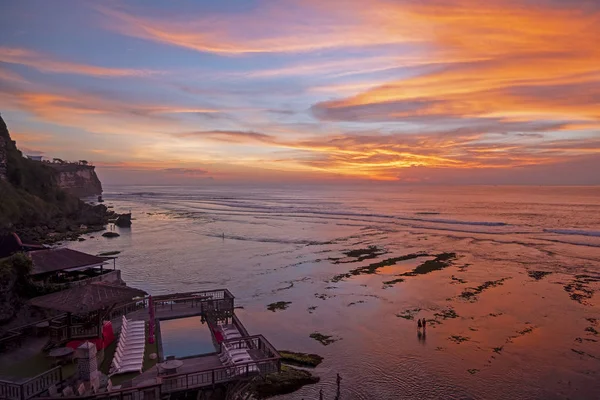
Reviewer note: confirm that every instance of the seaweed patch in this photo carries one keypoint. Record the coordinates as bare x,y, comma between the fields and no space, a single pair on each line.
325,340
471,293
408,314
537,275
280,305
459,339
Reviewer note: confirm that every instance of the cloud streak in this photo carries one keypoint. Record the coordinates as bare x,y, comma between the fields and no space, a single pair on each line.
49,64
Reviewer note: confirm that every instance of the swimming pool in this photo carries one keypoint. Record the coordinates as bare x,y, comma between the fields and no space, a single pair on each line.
184,337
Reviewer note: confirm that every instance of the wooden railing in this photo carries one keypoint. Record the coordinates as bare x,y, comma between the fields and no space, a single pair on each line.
10,390
32,387
192,380
255,342
220,299
110,276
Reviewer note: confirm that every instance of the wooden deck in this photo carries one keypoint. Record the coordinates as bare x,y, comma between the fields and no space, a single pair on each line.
190,365
196,372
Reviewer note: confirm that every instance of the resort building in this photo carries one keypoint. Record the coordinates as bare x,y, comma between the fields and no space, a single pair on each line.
126,344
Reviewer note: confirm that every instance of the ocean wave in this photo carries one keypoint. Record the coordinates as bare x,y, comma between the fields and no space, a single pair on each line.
580,232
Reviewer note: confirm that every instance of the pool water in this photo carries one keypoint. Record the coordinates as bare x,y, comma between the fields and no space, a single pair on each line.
183,337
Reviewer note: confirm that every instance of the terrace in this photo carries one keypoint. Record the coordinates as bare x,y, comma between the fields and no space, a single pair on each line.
200,316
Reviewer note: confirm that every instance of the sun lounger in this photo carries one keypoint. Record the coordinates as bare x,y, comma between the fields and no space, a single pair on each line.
130,354
121,369
131,321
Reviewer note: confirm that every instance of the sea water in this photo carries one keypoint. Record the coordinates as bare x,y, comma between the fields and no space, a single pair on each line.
517,338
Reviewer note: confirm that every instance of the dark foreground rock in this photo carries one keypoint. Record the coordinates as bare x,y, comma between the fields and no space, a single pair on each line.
123,220
287,381
110,234
300,359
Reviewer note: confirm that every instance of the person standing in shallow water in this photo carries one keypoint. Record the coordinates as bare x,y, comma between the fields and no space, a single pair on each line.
424,324
419,324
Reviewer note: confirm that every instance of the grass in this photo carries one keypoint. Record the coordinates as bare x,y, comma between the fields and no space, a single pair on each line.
280,305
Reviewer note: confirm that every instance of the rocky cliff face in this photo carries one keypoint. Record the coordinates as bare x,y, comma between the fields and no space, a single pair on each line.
79,180
3,157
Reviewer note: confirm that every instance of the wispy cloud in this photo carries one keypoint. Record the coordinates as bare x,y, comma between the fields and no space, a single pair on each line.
47,63
330,26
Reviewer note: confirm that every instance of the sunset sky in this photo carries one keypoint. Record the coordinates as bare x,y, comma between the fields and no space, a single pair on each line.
413,91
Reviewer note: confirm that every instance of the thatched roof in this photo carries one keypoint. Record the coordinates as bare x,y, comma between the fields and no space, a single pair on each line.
87,298
51,260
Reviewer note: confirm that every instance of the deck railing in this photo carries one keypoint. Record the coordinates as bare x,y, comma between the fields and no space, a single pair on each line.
32,387
192,380
106,276
221,299
10,390
255,342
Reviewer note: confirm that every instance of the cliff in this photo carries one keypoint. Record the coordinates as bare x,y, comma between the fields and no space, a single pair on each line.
33,204
78,180
4,139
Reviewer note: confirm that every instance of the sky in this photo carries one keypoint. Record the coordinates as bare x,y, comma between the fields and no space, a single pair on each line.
405,91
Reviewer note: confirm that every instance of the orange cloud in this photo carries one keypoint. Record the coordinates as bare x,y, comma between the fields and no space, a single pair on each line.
330,26
46,63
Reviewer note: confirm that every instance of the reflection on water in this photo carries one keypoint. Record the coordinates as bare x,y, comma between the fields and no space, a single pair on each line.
515,337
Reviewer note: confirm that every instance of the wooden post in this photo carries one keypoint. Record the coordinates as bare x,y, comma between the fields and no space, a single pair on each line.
68,325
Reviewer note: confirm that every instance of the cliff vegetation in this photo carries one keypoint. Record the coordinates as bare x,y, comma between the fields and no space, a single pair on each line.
34,205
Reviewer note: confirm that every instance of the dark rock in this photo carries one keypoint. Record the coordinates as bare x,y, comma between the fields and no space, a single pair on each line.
110,234
287,381
123,220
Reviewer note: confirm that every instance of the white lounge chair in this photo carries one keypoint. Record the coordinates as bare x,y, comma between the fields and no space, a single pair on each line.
121,369
130,354
126,321
133,329
232,353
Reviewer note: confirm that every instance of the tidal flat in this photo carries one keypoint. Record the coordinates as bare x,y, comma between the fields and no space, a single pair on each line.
513,314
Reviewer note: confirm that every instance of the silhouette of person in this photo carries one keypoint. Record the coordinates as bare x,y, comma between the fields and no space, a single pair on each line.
424,324
419,324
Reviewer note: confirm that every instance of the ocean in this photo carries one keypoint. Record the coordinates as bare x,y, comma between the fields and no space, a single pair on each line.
514,316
